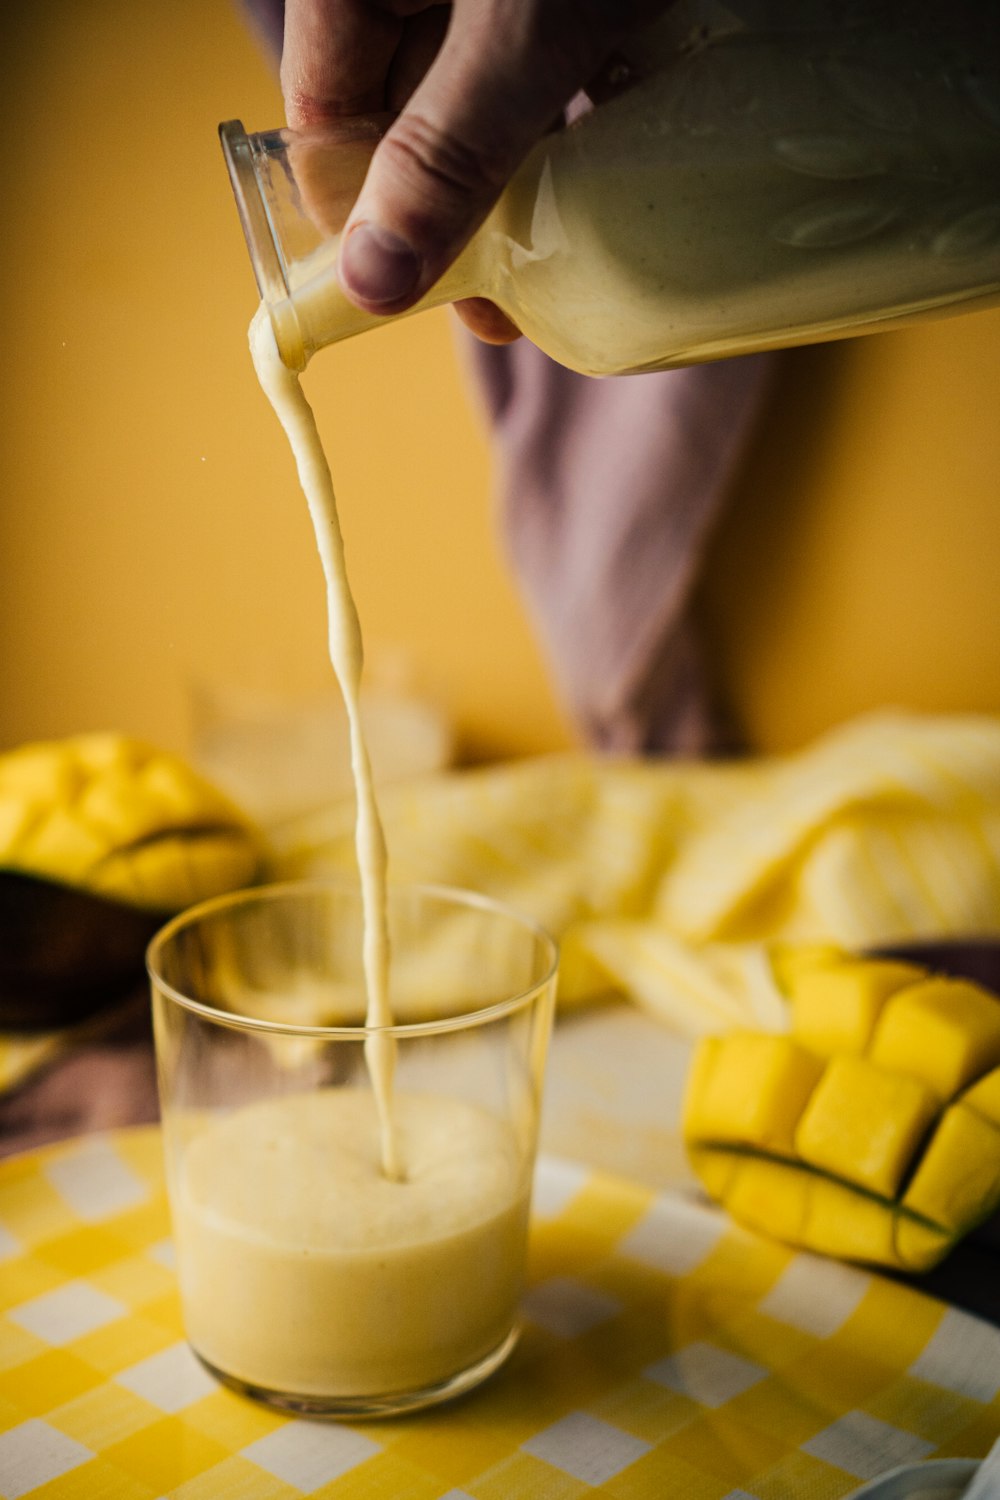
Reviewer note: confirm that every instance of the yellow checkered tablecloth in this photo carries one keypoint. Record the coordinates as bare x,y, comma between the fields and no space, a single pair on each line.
666,1355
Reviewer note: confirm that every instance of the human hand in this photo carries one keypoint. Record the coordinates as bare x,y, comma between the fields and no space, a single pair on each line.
474,83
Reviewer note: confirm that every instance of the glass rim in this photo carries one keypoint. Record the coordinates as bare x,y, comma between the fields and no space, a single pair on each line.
281,890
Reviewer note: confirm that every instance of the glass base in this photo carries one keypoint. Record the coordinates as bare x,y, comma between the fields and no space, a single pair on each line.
392,1404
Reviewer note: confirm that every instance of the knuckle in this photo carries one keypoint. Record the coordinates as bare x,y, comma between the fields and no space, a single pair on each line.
305,108
459,169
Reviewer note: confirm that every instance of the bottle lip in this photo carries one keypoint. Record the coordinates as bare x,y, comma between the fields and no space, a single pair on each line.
258,231
248,161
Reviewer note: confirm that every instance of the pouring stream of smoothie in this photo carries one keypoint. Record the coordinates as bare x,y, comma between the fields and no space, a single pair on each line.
283,390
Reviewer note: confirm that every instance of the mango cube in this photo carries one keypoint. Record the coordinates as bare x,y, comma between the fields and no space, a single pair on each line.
62,842
835,1006
172,871
871,1133
957,1183
696,1123
16,817
168,785
770,1196
847,1223
863,1124
749,1090
715,1169
945,1032
103,751
984,1097
44,773
790,960
918,1246
118,807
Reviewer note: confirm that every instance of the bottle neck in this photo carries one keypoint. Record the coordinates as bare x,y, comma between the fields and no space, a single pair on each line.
294,192
317,312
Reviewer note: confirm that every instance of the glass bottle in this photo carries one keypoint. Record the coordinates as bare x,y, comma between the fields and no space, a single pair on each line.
776,172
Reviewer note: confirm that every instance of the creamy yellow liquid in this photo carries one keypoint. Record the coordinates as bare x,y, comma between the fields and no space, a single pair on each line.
283,390
305,1270
761,185
349,1242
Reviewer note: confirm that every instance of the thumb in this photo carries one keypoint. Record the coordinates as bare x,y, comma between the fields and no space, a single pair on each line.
501,76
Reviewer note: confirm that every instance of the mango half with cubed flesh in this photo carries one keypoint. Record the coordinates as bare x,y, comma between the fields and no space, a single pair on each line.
102,838
872,1131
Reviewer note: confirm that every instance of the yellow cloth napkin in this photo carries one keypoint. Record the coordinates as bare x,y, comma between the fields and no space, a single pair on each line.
666,881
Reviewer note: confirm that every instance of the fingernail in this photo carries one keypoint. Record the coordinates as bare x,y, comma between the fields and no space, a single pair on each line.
376,265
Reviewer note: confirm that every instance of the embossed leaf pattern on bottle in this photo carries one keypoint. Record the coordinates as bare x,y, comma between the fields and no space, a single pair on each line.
825,223
973,230
907,180
984,94
841,105
870,94
776,172
844,157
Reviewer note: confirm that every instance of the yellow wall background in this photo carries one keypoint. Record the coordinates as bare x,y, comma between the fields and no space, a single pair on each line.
152,537
858,565
152,534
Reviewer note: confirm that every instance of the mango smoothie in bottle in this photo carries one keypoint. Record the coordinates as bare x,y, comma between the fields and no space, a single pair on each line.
773,173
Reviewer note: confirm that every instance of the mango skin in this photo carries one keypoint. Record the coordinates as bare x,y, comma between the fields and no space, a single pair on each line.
895,1144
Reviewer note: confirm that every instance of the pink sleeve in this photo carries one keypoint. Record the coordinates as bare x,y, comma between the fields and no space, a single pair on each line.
608,491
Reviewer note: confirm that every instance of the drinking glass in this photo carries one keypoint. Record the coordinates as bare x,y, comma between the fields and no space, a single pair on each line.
309,1278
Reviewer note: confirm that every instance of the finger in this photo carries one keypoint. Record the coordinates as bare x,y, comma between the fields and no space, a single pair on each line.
493,89
329,164
267,18
418,46
336,59
486,321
